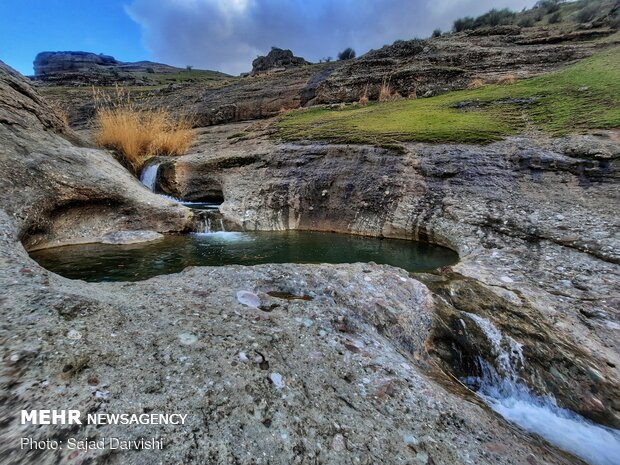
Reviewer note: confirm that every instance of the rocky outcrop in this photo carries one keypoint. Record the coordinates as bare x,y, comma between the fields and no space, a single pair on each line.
276,60
527,216
48,64
80,68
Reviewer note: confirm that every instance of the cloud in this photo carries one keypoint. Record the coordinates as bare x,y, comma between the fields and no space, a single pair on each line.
228,34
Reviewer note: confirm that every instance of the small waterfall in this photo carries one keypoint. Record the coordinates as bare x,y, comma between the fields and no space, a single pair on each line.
204,227
148,176
500,386
508,353
210,222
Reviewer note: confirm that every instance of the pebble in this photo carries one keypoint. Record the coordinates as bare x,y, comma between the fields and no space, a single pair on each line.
506,279
74,334
188,339
101,394
339,443
249,299
276,379
410,440
421,458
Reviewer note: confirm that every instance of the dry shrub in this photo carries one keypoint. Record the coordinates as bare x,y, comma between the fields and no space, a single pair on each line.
507,80
364,97
413,95
476,83
385,92
60,112
139,134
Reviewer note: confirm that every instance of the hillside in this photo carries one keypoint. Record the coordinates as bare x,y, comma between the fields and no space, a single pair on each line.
581,97
414,68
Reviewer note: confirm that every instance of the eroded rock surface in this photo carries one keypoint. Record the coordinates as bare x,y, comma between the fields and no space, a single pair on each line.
532,219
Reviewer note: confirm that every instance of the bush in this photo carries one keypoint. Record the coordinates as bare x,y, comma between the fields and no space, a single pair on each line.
437,33
555,18
463,24
587,13
549,6
139,135
495,17
526,22
347,54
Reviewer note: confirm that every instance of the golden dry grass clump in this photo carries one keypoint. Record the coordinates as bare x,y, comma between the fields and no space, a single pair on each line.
507,80
139,134
475,83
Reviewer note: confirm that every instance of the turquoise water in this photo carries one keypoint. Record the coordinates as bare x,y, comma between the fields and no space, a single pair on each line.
103,262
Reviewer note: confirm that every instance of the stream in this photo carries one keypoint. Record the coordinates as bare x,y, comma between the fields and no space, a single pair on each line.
498,384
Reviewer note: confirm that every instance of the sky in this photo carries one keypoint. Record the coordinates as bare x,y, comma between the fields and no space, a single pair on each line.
225,35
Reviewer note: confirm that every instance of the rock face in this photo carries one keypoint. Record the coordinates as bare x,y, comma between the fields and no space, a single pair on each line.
526,215
48,64
340,377
277,59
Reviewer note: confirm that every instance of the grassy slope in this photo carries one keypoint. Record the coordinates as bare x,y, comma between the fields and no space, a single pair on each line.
581,97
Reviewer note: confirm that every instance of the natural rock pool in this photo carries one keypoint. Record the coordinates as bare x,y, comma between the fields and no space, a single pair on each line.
104,262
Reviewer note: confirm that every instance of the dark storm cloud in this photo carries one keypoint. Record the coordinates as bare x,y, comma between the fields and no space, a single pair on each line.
228,34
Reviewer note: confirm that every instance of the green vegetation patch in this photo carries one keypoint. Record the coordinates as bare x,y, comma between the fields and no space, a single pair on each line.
581,97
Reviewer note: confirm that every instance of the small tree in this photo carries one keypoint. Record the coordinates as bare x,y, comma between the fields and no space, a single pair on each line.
437,33
463,24
550,6
587,13
347,54
189,68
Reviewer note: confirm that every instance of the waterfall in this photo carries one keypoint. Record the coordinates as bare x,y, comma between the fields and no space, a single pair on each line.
148,176
500,386
205,226
210,222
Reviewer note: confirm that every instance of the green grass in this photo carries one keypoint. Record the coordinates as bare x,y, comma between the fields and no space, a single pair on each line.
581,97
195,75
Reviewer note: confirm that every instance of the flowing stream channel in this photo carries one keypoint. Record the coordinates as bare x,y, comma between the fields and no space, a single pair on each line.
499,385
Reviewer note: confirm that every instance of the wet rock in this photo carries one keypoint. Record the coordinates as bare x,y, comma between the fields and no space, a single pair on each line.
130,237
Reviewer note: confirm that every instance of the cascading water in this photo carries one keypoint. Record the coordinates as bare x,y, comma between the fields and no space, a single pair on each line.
148,176
500,386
